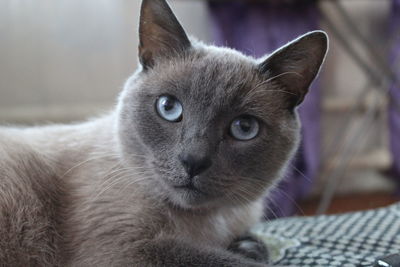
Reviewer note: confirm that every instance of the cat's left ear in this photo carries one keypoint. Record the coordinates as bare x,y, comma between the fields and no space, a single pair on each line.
295,65
160,33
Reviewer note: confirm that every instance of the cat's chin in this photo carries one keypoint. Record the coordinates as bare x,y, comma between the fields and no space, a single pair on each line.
190,199
187,197
183,206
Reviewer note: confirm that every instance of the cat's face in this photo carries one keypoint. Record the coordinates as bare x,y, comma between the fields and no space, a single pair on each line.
210,125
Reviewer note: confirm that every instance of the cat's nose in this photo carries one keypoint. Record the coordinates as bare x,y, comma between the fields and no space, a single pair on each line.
195,165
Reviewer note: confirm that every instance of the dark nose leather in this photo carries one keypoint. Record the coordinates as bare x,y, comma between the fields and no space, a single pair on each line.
195,165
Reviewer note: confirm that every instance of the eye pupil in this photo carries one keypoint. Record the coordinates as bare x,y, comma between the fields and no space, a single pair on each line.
168,104
245,125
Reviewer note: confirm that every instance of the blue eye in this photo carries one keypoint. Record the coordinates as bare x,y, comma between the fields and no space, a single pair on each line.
169,108
244,128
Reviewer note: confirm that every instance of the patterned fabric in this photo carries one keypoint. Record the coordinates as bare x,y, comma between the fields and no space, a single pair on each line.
352,239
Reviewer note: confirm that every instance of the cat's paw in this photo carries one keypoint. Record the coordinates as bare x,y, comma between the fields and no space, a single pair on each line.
250,247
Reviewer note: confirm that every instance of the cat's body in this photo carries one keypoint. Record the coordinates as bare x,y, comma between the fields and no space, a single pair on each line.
171,177
72,168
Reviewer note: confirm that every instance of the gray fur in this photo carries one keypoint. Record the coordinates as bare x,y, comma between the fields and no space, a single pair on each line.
103,192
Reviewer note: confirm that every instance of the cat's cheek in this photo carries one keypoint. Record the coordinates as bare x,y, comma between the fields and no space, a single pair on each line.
153,133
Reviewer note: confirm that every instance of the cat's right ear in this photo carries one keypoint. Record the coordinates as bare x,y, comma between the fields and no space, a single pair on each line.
160,33
295,65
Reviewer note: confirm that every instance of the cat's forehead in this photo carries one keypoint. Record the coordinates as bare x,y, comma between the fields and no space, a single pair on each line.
219,72
214,80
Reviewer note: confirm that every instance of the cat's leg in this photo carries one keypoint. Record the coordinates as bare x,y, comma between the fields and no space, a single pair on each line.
170,252
250,247
159,252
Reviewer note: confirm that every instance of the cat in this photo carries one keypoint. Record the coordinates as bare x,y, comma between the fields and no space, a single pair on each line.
176,174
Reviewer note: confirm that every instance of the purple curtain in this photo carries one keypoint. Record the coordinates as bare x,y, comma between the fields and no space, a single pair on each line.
258,28
394,110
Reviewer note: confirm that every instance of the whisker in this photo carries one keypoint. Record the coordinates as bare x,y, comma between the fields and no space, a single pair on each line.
82,163
126,173
107,176
291,199
300,172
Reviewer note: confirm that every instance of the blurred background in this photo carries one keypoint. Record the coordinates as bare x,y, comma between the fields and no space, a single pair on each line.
66,60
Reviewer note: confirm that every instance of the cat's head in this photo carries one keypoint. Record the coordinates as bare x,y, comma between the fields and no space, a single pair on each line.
210,125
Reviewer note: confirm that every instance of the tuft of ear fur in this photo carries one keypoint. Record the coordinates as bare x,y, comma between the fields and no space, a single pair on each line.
295,65
160,33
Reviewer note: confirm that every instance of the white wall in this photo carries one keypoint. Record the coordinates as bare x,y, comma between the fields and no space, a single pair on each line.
65,59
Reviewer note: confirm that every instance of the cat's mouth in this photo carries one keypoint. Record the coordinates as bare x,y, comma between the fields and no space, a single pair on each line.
190,196
190,188
187,194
